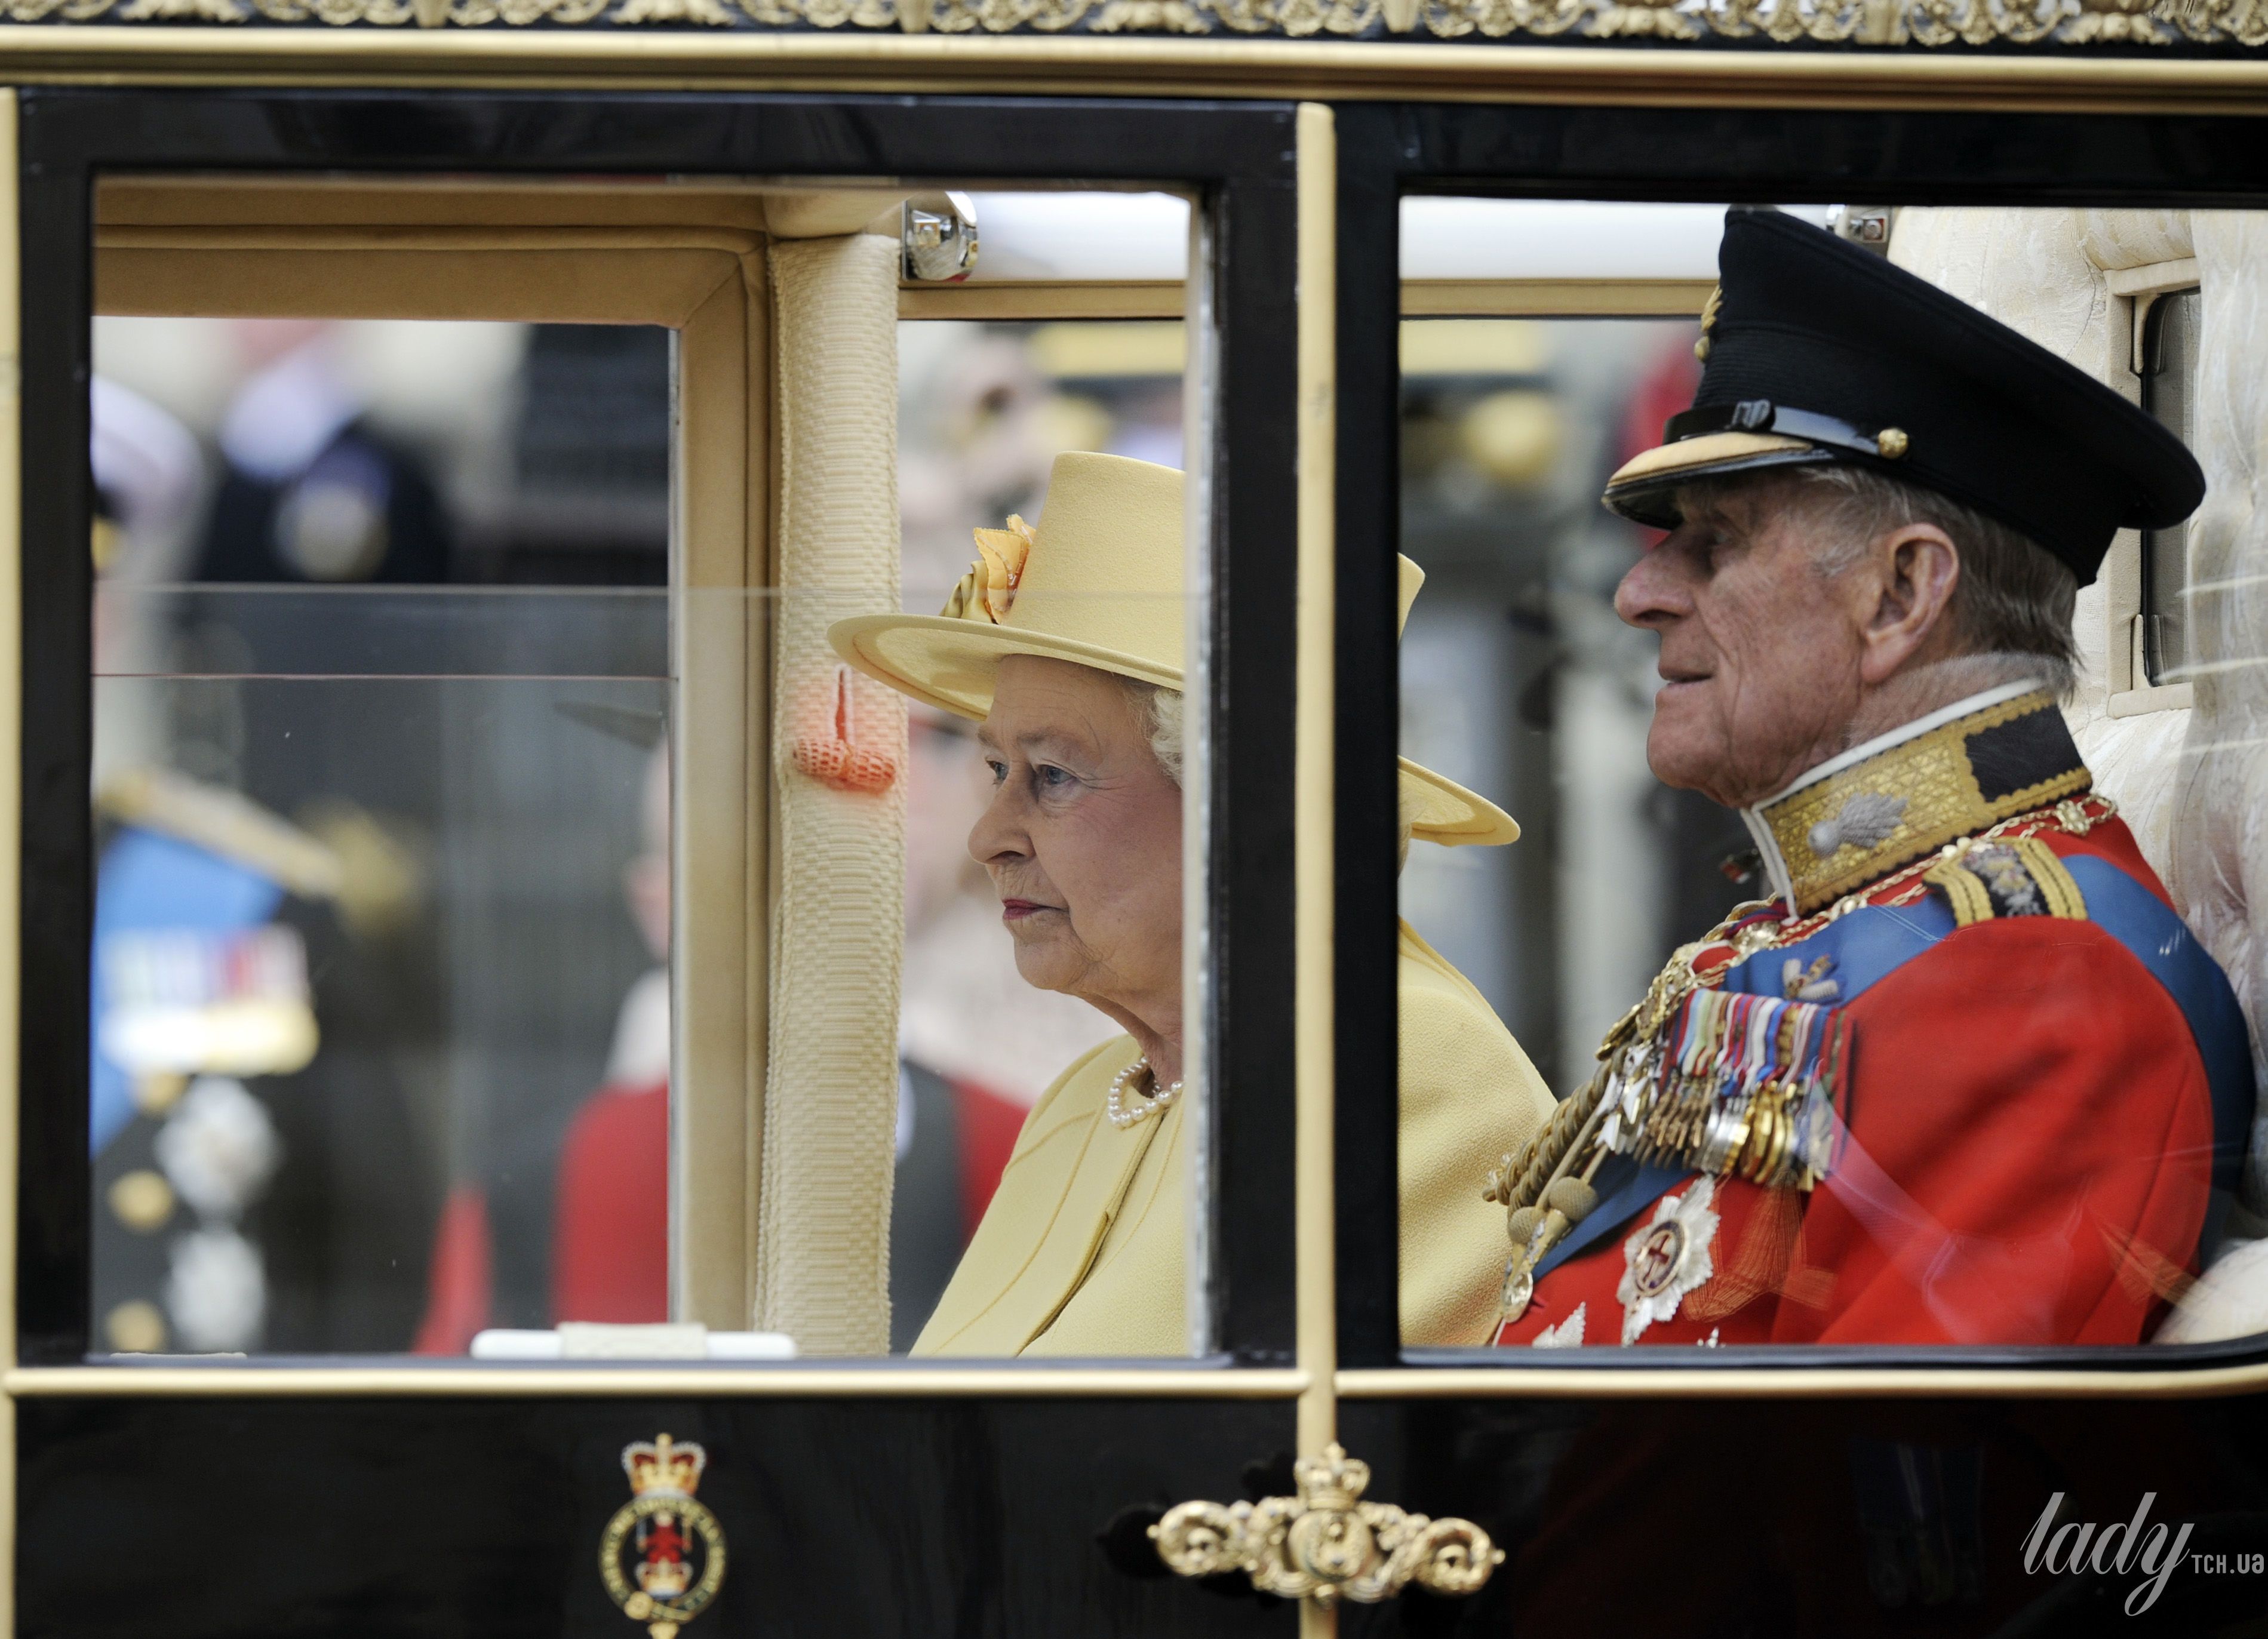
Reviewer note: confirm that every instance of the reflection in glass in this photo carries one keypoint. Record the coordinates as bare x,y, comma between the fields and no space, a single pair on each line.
1515,670
380,705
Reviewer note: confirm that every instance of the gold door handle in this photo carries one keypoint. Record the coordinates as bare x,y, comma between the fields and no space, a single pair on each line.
1327,1544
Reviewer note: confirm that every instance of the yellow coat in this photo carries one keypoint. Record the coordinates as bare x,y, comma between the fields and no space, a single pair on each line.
1081,1251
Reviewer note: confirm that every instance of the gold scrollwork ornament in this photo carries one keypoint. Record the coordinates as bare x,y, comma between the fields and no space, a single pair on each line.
1923,23
1327,1544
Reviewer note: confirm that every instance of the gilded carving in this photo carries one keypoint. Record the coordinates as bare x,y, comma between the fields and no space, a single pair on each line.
1793,23
1327,1544
708,11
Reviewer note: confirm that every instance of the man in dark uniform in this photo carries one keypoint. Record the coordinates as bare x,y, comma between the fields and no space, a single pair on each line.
1965,1077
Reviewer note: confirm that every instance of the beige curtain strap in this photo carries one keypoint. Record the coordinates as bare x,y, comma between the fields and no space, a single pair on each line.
838,756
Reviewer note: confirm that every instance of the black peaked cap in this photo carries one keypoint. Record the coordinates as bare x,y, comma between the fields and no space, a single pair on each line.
1821,351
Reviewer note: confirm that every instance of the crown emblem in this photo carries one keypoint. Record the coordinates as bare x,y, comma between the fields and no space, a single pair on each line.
662,1557
663,1468
1334,1482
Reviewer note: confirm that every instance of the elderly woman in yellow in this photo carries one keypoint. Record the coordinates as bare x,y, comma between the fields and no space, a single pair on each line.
1066,641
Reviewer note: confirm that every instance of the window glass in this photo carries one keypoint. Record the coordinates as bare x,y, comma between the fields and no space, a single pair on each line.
2171,327
549,905
1509,427
986,409
1519,683
1841,890
382,687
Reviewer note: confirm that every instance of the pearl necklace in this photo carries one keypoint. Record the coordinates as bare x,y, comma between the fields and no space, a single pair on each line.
1123,1115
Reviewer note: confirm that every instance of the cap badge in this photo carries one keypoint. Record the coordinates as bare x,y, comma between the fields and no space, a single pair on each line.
1708,318
662,1557
1667,1258
1865,820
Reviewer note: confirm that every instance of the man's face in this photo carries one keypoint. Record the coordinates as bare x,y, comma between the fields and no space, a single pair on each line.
1760,653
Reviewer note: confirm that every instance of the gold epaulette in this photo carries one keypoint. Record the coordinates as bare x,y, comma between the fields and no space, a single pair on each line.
2014,877
228,824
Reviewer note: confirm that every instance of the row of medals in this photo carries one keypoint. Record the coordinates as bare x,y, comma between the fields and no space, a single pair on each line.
1546,1189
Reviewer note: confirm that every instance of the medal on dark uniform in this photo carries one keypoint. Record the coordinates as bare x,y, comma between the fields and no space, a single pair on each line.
662,1556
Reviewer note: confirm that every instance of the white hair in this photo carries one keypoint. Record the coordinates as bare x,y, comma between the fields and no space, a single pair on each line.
2013,606
2011,609
1161,714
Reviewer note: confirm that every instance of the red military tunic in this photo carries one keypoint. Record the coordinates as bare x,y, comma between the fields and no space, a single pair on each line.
2025,1125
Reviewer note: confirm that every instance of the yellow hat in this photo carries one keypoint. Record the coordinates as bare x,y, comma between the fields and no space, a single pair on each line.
1098,582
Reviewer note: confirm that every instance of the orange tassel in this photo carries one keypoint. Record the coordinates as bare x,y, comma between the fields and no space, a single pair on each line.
837,760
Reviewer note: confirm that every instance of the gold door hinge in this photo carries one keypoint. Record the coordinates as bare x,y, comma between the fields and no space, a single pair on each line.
1327,1544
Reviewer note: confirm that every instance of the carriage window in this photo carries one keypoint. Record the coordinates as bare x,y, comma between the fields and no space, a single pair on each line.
382,701
573,880
1508,425
1718,881
2168,352
1524,711
987,409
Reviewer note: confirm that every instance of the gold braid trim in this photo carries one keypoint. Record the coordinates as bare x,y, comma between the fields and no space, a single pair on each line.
1963,891
1670,23
1840,834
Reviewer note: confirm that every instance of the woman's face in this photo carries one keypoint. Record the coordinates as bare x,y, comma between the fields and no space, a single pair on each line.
1082,837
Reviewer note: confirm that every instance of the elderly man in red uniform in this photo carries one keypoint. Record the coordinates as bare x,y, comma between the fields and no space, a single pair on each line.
1965,1077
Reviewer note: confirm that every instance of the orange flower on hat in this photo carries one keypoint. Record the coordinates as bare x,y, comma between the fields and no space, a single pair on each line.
989,590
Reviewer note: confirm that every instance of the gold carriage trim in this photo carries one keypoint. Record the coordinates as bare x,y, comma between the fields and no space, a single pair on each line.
1838,834
1757,22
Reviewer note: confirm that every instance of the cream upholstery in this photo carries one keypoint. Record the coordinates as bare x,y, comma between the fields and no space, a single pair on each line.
831,1087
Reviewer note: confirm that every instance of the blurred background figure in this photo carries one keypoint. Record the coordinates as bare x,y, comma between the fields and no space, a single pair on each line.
1508,425
402,552
610,1252
245,1127
311,490
984,409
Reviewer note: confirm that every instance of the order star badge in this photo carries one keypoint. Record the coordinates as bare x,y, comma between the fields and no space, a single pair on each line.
1668,1258
663,1553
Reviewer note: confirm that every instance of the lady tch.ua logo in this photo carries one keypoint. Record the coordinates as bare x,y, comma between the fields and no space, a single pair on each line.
2073,1547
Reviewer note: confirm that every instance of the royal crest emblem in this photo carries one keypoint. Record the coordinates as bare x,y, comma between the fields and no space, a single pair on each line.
663,1553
